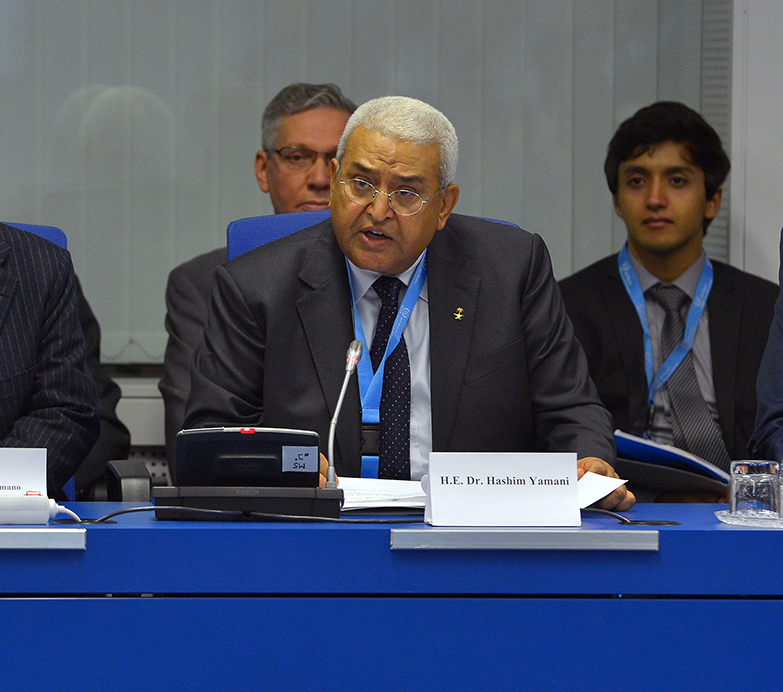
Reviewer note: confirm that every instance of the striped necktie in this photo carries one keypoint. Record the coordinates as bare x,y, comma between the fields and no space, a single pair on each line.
693,427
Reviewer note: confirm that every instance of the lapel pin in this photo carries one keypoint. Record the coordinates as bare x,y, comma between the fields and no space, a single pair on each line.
458,314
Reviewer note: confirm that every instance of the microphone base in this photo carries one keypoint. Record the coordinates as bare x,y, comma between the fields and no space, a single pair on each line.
244,502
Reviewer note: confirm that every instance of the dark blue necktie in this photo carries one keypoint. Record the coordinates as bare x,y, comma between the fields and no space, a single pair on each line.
395,412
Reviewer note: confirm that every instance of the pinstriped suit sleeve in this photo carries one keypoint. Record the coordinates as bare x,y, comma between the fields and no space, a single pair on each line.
47,395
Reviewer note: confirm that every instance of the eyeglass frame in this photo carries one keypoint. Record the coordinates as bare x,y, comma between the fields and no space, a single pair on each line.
389,195
328,156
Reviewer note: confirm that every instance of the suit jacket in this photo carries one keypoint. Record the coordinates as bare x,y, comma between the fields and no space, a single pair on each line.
47,396
114,439
187,300
507,376
767,440
605,321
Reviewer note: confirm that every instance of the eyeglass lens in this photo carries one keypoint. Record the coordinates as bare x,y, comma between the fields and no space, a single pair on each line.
405,202
301,157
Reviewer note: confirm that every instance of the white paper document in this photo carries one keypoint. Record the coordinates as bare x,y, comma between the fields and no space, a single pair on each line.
372,493
593,487
369,493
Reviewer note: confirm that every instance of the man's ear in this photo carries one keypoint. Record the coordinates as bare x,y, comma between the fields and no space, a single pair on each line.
616,203
262,160
713,205
334,175
448,200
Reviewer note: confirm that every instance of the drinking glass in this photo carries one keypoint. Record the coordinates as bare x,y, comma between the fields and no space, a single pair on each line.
754,489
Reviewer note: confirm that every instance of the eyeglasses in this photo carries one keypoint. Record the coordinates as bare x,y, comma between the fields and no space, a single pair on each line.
402,202
301,158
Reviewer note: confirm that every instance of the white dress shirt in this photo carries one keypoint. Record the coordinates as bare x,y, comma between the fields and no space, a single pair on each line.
417,340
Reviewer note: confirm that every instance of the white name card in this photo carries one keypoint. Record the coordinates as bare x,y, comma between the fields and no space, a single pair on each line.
22,471
502,489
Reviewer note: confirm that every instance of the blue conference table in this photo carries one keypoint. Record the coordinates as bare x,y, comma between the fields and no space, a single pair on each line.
147,604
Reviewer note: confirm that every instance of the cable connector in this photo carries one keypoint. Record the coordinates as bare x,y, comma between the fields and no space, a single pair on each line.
29,509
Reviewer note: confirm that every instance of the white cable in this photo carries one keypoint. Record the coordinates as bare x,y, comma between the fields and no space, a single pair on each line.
64,510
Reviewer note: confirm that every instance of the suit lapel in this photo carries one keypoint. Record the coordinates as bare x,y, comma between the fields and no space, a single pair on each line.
327,322
452,284
724,309
627,331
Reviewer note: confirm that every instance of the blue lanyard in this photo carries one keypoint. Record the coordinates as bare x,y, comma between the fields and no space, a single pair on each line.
634,289
370,385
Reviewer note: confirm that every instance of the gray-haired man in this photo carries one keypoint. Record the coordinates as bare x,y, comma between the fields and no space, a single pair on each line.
480,357
300,130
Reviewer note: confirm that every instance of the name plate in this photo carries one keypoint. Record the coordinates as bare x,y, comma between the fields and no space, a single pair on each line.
23,471
502,489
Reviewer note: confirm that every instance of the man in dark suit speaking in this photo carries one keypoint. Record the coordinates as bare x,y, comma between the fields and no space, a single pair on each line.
476,352
47,395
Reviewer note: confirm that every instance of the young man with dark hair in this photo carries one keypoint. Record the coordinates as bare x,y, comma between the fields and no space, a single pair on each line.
673,340
674,122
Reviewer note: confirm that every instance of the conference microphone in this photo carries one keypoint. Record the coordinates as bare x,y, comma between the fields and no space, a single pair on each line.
352,359
250,499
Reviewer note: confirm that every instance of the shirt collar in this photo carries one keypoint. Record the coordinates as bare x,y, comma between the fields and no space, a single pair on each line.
687,282
363,279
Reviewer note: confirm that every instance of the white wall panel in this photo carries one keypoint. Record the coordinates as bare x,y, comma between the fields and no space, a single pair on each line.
757,202
679,48
133,124
592,215
464,49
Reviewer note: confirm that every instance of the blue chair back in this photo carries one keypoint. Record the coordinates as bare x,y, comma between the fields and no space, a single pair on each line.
51,233
246,234
505,223
56,236
252,232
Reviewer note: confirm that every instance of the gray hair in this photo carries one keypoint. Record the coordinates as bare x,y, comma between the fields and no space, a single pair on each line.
411,120
296,98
